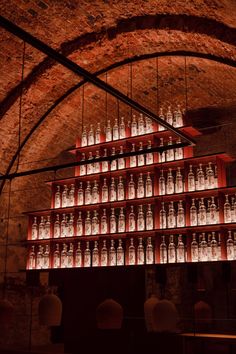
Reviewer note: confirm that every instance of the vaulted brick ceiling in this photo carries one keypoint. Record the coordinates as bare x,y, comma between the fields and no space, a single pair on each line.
97,35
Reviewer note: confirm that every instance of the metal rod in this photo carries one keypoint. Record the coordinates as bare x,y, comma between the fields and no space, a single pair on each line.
87,162
41,46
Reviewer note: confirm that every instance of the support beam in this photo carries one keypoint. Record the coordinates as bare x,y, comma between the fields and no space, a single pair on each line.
41,46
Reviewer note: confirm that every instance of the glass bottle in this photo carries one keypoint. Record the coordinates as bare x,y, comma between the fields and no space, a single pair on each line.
121,221
132,222
131,188
64,256
180,215
96,165
141,220
104,225
47,228
141,129
39,258
132,253
216,177
57,198
148,186
64,226
113,228
79,225
149,218
193,214
149,155
163,218
163,250
133,159
105,195
70,256
95,223
64,197
113,194
71,196
122,129
140,190
180,250
120,189
105,163
149,251
219,247
34,229
208,213
88,224
210,177
56,257
227,210
78,257
134,129
171,250
171,217
87,256
84,139
191,179
214,248
162,184
140,252
120,254
179,151
213,212
90,169
41,228
95,255
83,168
112,254
203,249
194,249
170,187
88,194
178,118
46,257
32,259
121,160
141,157
148,125
114,161
232,210
169,116
200,178
80,194
104,254
95,193
108,131
230,247
71,230
162,155
91,136
98,134
161,115
202,213
170,153
179,185
115,130
209,254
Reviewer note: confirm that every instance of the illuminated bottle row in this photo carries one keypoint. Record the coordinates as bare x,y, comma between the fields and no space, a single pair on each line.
172,249
174,118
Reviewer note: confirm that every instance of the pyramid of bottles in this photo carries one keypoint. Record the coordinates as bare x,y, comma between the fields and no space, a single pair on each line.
154,207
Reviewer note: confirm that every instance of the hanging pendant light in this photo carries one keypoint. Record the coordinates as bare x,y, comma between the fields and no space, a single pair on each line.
50,310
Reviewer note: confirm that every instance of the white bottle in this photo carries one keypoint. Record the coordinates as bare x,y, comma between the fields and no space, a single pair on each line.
115,130
104,224
56,257
47,228
203,249
96,165
140,252
71,231
78,257
57,198
132,221
90,169
163,219
64,258
194,249
57,227
162,184
169,116
113,194
120,261
191,179
171,218
179,151
113,226
64,197
121,221
148,186
104,255
91,136
180,219
170,187
170,156
141,157
171,250
163,251
140,189
180,250
88,194
227,210
71,196
131,188
200,178
141,129
98,134
131,253
95,224
64,226
79,225
179,118
114,161
39,258
105,167
32,259
134,129
34,229
149,252
149,218
148,125
80,194
230,247
149,155
108,131
70,256
141,219
105,196
121,160
83,168
214,248
193,214
122,131
87,256
202,213
162,155
112,254
179,185
133,159
120,189
210,177
95,193
84,139
161,115
41,229
88,225
95,255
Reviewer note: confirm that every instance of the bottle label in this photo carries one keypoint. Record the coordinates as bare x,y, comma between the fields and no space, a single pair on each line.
88,228
131,224
131,192
141,225
87,260
121,163
104,166
121,226
149,222
140,193
83,170
149,189
34,233
105,195
57,201
141,257
80,198
104,259
112,257
78,260
56,261
149,158
113,227
95,260
120,257
79,229
141,161
88,197
103,227
131,257
133,161
113,195
121,193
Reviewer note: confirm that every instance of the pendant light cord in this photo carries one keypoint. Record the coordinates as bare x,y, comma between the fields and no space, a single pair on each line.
186,85
157,83
6,244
